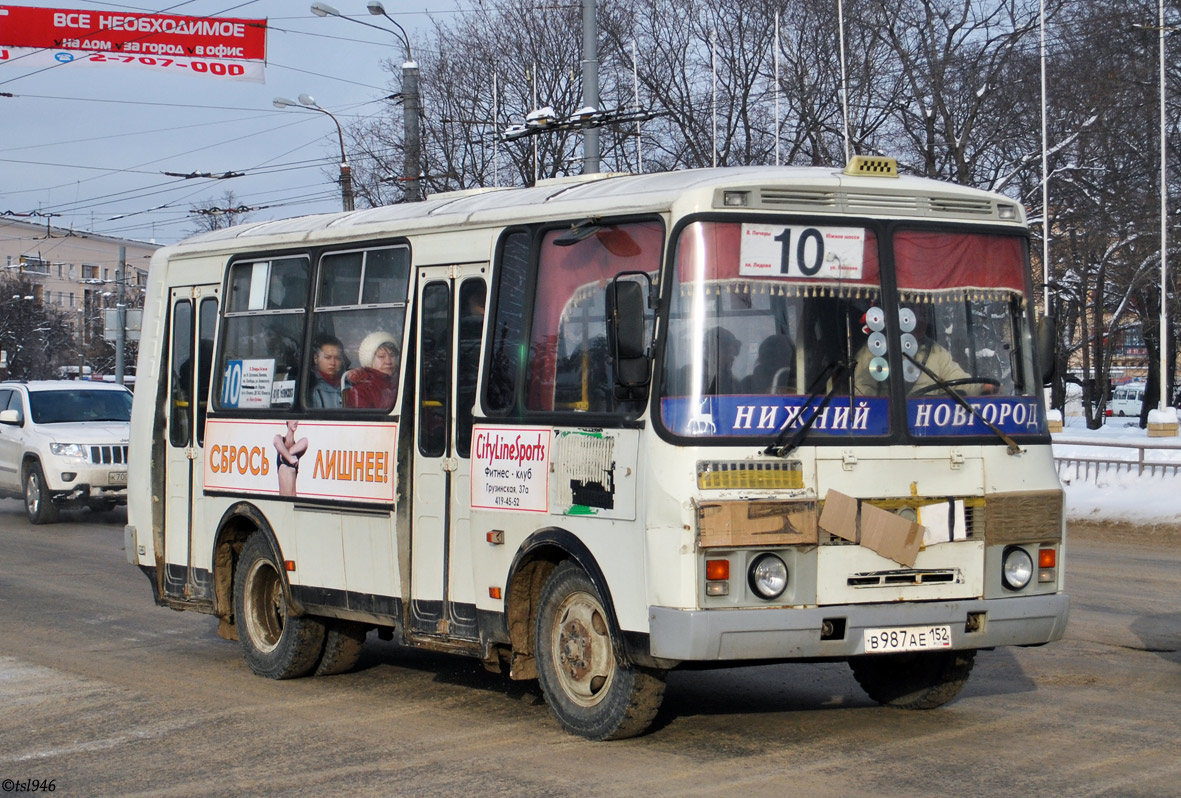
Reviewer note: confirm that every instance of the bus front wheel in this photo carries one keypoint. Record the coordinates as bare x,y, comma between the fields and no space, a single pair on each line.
275,643
591,690
916,680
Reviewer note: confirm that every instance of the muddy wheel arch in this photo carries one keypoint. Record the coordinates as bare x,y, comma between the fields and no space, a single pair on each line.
537,557
236,525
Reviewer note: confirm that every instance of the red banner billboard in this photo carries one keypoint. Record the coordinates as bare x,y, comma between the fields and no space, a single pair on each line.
216,46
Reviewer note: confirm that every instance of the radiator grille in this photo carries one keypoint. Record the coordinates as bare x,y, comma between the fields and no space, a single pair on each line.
108,455
907,578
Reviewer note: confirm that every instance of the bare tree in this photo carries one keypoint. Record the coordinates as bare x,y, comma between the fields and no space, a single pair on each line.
36,337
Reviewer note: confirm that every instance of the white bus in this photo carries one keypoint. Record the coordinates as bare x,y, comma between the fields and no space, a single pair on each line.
603,427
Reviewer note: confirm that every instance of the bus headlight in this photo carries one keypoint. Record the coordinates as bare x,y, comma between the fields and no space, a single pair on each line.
1016,568
768,576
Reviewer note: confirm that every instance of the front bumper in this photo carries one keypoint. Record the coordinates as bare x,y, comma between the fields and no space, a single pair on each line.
106,482
738,634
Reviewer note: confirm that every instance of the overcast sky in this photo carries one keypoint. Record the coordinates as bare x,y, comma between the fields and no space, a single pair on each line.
92,143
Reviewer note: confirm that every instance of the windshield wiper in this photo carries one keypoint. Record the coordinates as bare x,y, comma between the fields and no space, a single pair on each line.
1012,447
783,445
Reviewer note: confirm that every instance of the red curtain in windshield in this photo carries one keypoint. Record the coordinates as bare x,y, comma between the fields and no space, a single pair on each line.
931,261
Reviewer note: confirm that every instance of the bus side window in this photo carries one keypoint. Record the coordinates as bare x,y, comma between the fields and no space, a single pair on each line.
571,367
435,369
206,324
506,338
262,340
471,326
181,406
359,310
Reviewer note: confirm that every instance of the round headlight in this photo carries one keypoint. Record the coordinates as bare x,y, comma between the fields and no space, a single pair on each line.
768,576
1016,568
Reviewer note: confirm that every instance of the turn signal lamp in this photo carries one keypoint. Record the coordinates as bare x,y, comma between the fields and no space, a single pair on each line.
717,577
1047,559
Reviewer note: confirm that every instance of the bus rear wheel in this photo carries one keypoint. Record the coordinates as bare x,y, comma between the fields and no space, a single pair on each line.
590,689
275,643
343,642
915,680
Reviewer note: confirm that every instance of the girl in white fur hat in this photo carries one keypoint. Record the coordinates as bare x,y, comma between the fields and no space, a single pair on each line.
375,384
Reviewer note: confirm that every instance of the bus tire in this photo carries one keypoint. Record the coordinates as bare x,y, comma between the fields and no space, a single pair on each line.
589,687
39,506
343,641
915,680
275,643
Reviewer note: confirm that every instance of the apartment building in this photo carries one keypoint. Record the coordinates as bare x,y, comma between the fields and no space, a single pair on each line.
76,271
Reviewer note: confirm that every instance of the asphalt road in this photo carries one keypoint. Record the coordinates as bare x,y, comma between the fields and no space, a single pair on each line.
105,694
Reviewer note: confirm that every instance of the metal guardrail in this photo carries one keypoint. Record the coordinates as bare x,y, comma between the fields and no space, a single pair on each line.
1089,468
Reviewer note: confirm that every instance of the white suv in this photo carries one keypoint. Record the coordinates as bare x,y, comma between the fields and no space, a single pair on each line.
64,444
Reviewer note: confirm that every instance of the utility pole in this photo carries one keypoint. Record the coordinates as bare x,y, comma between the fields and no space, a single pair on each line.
121,316
411,119
411,102
590,84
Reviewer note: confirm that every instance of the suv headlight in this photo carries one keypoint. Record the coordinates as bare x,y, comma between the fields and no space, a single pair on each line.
74,451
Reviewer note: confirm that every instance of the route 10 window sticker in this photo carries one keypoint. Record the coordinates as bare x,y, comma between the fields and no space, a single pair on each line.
801,252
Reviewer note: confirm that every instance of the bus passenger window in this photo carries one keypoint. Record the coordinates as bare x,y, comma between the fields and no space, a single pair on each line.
357,324
262,346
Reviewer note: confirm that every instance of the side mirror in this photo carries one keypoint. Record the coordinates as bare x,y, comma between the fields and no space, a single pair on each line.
1047,344
627,303
10,417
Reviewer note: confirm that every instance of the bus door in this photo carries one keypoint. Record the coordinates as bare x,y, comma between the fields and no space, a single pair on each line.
450,323
193,319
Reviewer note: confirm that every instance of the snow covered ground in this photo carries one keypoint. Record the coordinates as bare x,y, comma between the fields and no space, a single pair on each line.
1124,495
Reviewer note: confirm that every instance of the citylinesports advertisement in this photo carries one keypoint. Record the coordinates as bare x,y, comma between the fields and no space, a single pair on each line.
302,459
230,49
510,468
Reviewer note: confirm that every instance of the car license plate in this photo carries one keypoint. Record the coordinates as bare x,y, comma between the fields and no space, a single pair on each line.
117,478
907,638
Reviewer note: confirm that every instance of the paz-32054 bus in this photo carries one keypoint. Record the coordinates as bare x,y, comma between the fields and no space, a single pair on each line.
602,427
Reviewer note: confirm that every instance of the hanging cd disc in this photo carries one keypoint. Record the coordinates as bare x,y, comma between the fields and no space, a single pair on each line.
910,344
906,320
875,318
910,372
877,343
879,369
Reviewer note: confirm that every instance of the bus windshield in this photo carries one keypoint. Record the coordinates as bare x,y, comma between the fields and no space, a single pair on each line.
771,324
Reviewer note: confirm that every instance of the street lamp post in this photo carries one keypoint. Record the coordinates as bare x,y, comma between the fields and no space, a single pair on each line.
306,101
411,111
